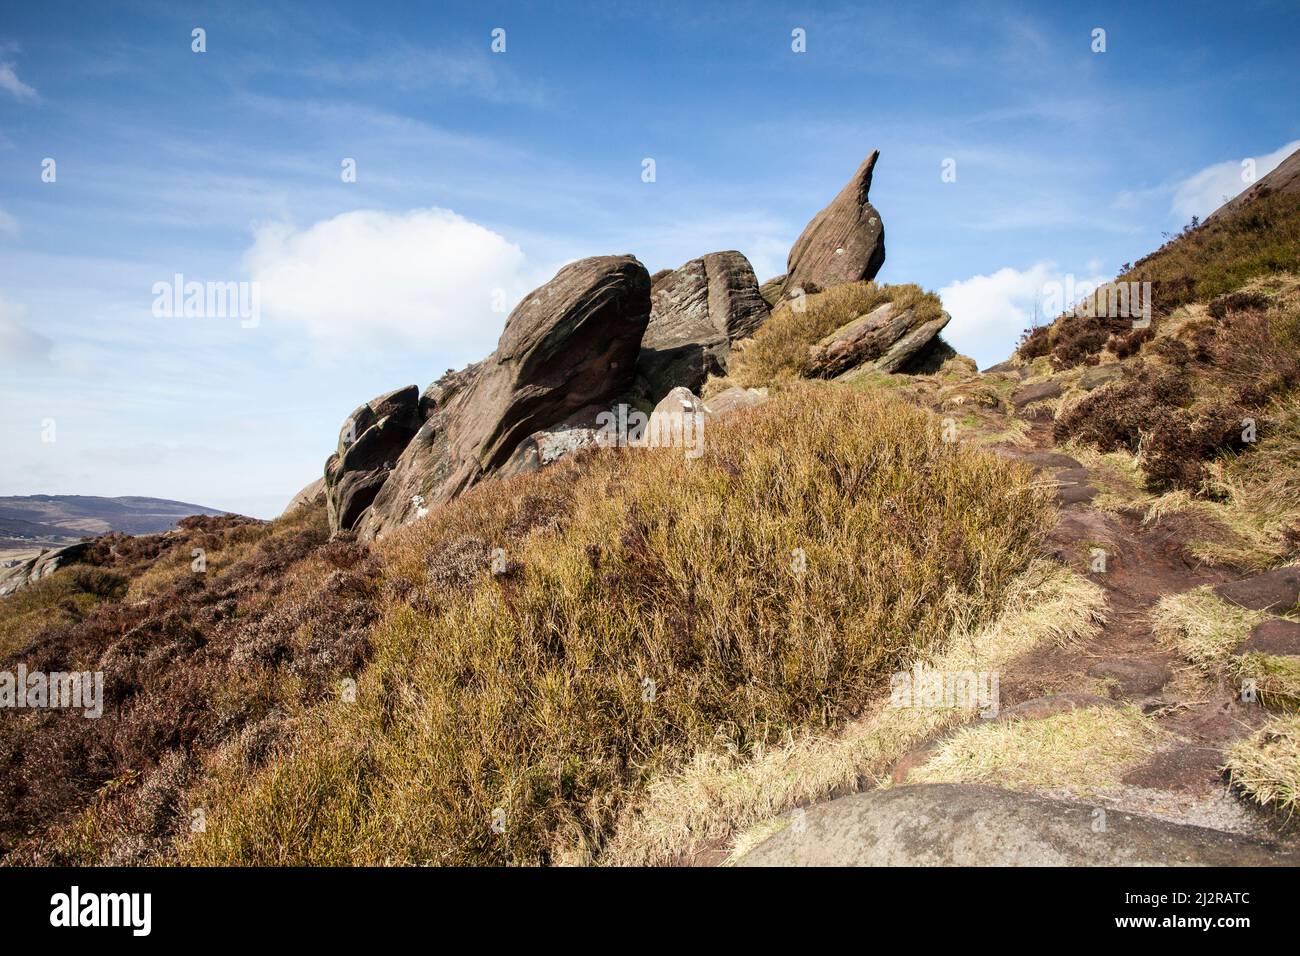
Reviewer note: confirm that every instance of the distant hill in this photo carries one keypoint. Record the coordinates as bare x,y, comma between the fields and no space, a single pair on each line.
34,521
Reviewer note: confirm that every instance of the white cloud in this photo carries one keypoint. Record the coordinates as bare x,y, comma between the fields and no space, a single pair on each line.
8,224
368,278
990,311
9,81
1204,192
18,343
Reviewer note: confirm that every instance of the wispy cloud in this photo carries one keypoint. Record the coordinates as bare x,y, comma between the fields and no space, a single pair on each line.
18,343
1203,192
10,83
474,73
376,279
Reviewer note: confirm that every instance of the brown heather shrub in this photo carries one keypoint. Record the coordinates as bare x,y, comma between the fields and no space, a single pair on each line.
278,619
779,350
1181,442
1187,406
1207,262
529,691
1119,414
1240,301
1130,343
1146,411
1035,342
1077,340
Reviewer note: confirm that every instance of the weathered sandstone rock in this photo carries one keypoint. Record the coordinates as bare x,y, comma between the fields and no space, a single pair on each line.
885,337
966,825
845,242
313,494
568,349
44,564
696,312
370,443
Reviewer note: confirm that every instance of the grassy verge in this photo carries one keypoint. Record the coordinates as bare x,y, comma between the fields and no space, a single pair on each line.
1224,254
724,798
1086,749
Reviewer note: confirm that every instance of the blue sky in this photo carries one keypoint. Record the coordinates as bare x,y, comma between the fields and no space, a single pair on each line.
478,174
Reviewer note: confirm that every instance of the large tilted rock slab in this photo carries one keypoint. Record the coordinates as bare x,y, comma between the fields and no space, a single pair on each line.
886,338
568,349
696,312
965,825
845,242
370,442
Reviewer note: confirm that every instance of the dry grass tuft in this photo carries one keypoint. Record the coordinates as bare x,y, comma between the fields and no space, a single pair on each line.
1207,629
1081,750
1266,765
723,798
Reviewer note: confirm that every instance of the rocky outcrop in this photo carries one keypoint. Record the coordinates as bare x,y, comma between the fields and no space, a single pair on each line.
370,442
885,339
43,565
696,312
1277,636
736,398
1038,392
678,421
771,290
568,350
845,242
965,825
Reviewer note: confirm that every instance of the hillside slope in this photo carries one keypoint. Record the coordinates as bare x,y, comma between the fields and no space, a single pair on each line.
52,520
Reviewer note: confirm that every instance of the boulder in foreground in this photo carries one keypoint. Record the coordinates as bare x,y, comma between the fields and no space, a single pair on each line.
966,825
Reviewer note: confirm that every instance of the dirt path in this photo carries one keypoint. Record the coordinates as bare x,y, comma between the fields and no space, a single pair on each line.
1137,564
